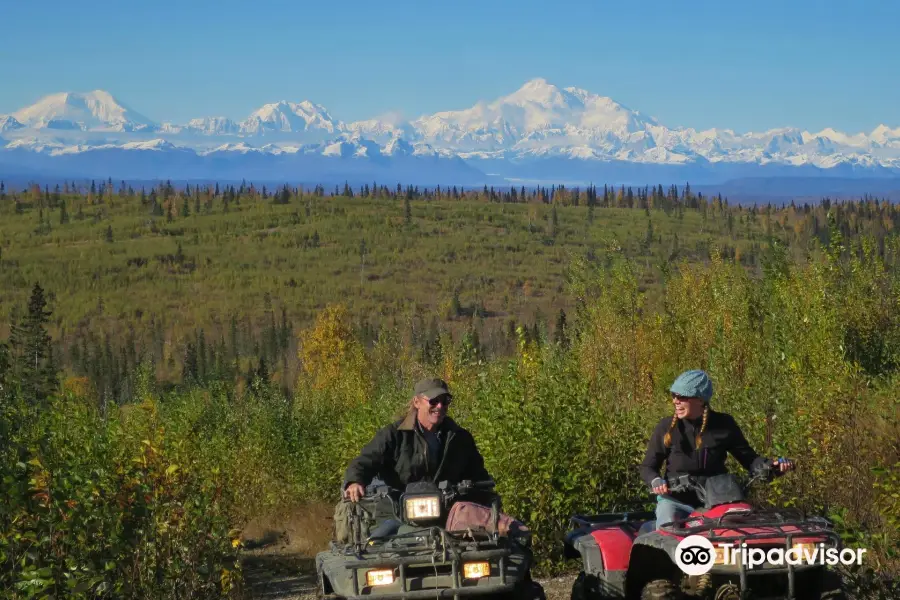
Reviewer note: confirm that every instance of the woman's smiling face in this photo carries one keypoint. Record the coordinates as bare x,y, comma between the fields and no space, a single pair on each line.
687,408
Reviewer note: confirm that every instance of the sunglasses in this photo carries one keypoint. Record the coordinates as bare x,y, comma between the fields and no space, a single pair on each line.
445,400
680,398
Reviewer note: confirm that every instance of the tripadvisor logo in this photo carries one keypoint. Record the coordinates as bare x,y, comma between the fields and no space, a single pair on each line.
696,555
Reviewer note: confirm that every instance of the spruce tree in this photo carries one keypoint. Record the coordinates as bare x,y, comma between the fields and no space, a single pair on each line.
262,372
561,336
32,353
190,367
202,366
4,365
554,222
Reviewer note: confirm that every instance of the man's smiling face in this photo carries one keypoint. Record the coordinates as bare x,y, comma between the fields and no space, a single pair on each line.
431,413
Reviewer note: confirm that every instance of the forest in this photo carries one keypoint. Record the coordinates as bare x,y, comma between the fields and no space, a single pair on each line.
178,360
124,268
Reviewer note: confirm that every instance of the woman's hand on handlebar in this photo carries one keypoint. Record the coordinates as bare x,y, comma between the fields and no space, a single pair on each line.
661,488
783,465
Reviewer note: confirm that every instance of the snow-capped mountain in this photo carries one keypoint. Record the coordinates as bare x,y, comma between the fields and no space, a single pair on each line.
9,123
290,117
540,121
97,110
383,129
540,132
213,126
885,135
537,114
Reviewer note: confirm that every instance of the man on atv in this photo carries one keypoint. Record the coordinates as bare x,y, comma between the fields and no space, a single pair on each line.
695,441
425,445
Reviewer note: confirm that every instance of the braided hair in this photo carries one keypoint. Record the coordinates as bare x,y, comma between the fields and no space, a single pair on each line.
698,441
668,439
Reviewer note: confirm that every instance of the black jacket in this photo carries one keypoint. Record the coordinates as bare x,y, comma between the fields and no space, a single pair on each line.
722,436
398,455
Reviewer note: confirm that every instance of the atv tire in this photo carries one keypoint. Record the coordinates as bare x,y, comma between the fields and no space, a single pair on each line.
529,590
582,588
587,587
830,587
661,589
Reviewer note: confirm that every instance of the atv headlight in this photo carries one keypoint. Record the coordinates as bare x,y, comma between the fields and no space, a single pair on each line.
423,507
801,548
380,577
476,570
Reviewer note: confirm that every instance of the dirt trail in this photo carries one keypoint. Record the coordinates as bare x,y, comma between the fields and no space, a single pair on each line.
274,576
280,549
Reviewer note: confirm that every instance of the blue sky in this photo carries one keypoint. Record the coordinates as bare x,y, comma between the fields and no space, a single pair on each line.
742,65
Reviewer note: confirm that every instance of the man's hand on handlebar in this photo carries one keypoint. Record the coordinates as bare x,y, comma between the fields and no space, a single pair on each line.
354,492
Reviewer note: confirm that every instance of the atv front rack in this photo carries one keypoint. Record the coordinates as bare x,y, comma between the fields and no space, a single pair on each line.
440,550
473,538
738,523
456,558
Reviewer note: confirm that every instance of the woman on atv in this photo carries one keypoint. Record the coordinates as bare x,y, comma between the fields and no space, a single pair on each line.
696,441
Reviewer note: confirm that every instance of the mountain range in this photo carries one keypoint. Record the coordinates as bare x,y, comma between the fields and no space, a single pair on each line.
540,133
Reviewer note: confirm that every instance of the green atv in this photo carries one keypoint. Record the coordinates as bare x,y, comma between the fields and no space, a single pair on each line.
397,546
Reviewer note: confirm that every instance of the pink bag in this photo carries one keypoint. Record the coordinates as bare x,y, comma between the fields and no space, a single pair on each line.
469,515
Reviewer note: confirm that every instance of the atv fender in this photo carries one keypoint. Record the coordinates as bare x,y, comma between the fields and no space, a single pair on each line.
605,556
651,559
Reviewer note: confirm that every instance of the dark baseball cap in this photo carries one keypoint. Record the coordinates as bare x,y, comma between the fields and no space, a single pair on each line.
432,388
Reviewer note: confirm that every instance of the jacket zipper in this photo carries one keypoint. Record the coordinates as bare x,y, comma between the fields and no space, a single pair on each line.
444,455
427,462
425,444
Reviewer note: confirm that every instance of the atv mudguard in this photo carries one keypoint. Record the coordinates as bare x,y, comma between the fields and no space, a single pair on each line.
605,550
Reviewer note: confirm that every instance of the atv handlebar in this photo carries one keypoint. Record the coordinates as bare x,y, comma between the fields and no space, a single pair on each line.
445,488
687,483
467,485
683,483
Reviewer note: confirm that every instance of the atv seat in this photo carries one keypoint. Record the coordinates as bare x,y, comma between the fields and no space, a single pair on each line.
648,527
386,528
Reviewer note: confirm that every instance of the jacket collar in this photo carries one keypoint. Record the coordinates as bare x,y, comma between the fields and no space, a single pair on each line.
409,423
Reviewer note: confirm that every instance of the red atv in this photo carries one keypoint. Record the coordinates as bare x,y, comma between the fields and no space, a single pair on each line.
625,555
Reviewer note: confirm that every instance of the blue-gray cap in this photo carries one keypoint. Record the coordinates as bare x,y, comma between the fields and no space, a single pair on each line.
693,384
